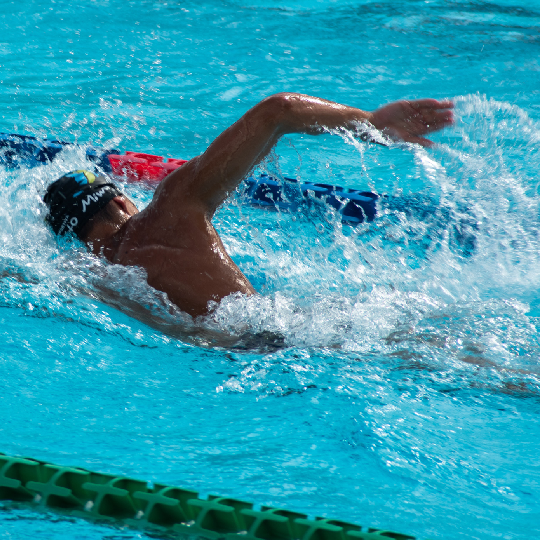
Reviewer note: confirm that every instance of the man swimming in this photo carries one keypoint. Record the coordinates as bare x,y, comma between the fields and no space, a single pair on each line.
173,238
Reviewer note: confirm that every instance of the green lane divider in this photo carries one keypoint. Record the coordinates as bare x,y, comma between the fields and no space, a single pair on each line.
162,508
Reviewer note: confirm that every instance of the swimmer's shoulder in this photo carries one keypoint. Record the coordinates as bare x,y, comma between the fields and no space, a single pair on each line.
155,245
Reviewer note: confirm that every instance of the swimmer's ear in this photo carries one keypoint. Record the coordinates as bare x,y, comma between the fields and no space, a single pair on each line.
121,202
125,205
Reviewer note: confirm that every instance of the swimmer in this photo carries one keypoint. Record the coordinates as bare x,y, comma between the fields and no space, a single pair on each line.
173,238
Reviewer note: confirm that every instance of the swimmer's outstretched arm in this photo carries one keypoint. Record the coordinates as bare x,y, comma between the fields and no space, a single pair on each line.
207,180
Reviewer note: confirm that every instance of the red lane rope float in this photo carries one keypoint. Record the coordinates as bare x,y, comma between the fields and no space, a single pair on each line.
135,166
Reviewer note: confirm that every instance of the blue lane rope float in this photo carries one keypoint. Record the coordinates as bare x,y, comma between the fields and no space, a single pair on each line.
354,206
166,509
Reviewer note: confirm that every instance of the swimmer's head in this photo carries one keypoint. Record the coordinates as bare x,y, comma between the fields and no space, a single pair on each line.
75,198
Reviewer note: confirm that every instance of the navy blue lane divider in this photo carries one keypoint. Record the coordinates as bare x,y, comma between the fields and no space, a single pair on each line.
24,150
355,206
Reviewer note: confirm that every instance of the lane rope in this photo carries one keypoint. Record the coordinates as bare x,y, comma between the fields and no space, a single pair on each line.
354,206
161,508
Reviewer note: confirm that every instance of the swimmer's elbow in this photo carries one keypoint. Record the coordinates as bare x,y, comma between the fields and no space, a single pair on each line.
297,113
282,108
282,101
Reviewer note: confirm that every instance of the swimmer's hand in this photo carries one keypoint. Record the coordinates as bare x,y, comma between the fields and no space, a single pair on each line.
409,120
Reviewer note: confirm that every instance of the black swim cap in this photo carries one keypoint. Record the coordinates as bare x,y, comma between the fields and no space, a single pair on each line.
75,198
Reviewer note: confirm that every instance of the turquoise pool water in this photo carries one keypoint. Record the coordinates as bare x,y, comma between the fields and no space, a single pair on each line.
402,388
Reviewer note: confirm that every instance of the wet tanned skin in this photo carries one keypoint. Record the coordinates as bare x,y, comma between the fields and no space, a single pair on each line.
174,240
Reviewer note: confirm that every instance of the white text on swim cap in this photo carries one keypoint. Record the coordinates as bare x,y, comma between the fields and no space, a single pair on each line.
73,222
93,198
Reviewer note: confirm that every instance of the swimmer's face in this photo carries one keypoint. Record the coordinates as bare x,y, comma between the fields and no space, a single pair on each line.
109,220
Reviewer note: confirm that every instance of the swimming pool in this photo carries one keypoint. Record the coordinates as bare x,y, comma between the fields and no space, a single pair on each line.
351,387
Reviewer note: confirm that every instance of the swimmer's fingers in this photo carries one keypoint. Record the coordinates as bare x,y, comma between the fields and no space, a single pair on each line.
428,115
407,120
431,104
